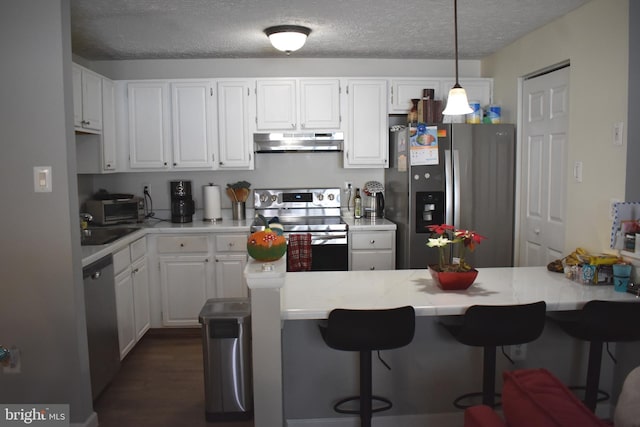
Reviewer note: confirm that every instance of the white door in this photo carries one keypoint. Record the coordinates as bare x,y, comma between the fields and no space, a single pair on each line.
234,136
545,127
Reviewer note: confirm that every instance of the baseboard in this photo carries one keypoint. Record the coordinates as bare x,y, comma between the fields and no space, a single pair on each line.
448,419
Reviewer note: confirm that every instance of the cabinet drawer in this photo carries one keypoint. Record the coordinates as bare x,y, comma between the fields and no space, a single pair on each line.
138,249
121,260
179,244
370,260
377,240
231,243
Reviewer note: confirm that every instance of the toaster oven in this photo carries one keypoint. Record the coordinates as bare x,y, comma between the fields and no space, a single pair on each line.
116,211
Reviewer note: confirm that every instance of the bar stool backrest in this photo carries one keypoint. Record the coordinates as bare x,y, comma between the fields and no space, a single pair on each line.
369,330
609,321
494,325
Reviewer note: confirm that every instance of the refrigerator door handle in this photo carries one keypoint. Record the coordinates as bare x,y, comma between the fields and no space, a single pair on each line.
448,196
456,188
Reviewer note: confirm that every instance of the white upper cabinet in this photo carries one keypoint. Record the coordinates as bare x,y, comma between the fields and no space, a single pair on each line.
298,104
404,90
234,131
149,125
193,124
276,104
87,100
367,137
320,104
478,89
109,146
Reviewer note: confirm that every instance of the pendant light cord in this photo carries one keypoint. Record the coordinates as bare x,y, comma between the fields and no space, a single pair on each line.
455,36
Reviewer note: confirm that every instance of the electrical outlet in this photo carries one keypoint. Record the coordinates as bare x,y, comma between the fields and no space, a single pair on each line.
146,188
348,185
519,352
618,129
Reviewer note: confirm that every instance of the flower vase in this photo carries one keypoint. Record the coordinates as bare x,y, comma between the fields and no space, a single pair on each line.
453,280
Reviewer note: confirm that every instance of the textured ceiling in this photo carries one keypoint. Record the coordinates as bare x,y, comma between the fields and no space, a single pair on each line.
146,29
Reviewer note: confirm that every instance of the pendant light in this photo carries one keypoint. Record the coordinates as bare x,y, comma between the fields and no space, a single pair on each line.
457,102
287,38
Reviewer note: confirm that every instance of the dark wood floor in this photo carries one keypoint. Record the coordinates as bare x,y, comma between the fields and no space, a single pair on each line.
160,384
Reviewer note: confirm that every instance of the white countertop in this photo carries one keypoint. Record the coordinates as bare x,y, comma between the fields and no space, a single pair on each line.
312,295
94,253
364,224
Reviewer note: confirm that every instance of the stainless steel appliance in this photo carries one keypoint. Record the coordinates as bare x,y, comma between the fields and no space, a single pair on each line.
283,142
102,323
461,175
182,204
113,209
313,210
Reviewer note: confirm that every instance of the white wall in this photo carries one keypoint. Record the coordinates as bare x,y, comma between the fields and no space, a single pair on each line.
41,294
594,38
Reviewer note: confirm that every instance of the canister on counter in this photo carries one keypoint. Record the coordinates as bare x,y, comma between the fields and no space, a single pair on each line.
495,113
475,117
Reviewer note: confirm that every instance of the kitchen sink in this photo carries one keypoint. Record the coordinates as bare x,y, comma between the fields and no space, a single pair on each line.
102,236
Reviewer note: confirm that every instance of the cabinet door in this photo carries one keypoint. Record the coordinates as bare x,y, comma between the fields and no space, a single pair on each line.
77,95
193,124
125,311
367,129
91,100
403,91
478,89
230,282
276,104
183,281
109,158
140,285
234,136
148,125
320,104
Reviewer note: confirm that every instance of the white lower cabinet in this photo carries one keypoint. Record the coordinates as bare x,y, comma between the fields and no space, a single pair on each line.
196,267
372,250
231,258
132,294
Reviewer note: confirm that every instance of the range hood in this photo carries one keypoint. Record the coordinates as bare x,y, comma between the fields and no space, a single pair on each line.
284,142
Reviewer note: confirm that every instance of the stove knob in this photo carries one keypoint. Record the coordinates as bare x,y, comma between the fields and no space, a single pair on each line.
320,197
263,198
274,198
331,197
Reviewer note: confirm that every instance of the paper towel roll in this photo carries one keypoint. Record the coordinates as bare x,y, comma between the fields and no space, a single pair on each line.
212,210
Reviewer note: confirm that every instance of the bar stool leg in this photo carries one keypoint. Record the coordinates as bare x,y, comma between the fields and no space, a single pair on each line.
489,376
366,389
593,375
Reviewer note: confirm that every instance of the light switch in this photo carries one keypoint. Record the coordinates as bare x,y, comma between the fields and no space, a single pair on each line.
42,179
577,171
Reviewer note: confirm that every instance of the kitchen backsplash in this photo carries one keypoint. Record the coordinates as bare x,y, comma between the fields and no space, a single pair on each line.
282,170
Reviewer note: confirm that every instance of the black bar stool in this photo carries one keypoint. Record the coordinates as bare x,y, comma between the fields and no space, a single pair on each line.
600,322
365,331
490,326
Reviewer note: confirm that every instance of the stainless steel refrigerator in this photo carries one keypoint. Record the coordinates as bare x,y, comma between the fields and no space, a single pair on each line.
458,174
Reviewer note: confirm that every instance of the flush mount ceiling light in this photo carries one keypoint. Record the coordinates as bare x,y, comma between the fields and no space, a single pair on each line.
287,38
457,102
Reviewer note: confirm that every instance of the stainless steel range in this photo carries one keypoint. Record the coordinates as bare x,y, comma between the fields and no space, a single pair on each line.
311,210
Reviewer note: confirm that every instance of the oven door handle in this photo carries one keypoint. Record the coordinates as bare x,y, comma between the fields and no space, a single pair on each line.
319,238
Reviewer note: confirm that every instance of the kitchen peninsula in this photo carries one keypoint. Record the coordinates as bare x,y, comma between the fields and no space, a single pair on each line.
296,377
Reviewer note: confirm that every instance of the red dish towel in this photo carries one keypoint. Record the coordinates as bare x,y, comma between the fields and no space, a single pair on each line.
299,252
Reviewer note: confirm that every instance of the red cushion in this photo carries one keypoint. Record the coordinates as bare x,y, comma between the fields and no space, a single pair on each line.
535,398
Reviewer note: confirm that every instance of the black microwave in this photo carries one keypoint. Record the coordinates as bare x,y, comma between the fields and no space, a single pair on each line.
118,211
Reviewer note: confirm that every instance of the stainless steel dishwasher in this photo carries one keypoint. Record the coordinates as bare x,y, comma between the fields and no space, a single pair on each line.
102,323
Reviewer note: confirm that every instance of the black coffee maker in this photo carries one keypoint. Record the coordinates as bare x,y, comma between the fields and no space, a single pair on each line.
182,205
